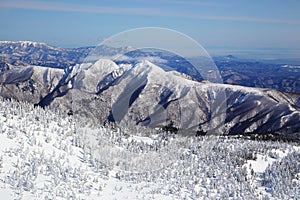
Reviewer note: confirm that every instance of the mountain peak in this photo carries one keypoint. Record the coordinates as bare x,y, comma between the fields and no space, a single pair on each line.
25,43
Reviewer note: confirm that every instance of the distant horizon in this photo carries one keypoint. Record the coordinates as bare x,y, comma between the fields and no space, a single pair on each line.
267,29
290,56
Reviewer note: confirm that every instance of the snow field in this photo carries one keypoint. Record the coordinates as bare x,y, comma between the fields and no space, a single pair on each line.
45,154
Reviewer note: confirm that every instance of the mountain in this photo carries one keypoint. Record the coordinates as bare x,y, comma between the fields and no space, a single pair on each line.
54,145
258,74
233,70
137,94
33,53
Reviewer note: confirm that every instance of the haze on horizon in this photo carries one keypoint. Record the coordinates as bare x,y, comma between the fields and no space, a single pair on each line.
267,29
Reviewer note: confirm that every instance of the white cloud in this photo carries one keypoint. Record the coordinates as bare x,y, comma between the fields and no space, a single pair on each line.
67,7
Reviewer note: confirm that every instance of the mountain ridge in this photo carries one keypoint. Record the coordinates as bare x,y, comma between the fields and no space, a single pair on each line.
144,93
138,94
234,71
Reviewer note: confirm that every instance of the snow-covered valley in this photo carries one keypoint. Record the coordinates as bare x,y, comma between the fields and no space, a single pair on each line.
45,154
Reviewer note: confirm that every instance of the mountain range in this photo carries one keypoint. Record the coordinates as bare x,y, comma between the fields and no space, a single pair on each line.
279,76
144,93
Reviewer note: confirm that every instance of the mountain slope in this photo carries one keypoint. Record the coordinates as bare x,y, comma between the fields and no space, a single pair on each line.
30,83
145,94
188,103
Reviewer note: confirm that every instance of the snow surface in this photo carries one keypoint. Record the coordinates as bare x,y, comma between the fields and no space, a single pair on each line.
46,155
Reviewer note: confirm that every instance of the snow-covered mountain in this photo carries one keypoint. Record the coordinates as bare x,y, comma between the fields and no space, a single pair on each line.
63,150
25,53
261,74
233,70
145,92
147,95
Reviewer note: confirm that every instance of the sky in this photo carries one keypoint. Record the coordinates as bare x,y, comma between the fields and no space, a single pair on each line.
241,27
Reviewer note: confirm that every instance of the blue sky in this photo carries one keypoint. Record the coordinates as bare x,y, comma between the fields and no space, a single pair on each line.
237,26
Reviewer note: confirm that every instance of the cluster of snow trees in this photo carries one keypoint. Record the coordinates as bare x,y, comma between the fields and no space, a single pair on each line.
282,177
47,154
